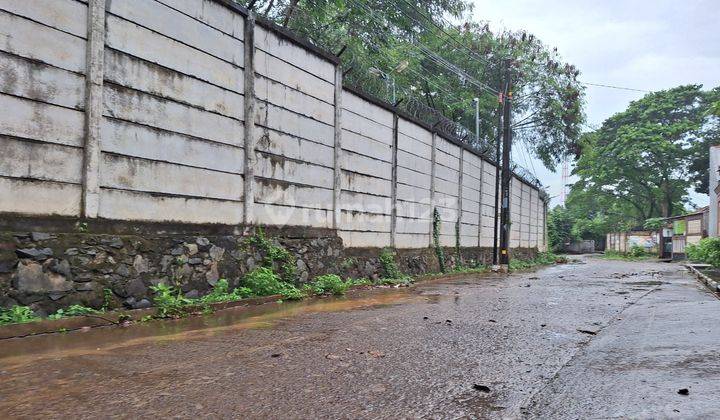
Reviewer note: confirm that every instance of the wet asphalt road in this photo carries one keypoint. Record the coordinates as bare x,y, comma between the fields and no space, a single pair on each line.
603,339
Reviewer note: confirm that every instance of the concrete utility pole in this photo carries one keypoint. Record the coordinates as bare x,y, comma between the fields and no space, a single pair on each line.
498,137
506,175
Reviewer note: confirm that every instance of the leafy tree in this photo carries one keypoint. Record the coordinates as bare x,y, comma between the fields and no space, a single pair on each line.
408,47
640,158
709,135
560,225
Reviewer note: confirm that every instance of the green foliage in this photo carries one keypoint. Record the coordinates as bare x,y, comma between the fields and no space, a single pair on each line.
627,256
436,240
107,298
390,268
221,293
384,281
654,223
476,269
17,315
329,284
169,301
706,251
639,163
262,281
275,256
74,310
359,282
636,251
292,293
560,227
348,263
380,43
542,258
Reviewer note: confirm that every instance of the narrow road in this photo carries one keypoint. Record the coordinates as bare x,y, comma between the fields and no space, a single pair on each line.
595,339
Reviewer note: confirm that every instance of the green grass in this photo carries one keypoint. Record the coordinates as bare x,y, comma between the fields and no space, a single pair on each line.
542,258
619,256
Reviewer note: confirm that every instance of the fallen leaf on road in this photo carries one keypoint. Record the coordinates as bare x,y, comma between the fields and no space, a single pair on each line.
481,388
376,354
332,356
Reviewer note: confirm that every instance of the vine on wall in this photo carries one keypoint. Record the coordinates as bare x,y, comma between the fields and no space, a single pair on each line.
436,240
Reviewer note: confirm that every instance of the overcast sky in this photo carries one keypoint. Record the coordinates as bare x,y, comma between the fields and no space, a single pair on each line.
642,44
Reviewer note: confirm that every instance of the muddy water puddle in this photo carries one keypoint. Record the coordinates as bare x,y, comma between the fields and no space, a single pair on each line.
21,351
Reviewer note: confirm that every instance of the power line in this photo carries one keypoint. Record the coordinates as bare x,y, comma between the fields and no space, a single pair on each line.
614,87
442,62
429,19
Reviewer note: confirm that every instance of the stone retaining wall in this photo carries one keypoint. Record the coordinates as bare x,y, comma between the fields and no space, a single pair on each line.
51,264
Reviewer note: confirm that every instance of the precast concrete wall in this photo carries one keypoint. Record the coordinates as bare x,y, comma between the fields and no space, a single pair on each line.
191,111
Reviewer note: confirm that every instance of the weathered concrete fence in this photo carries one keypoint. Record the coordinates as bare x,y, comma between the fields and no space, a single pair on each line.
190,111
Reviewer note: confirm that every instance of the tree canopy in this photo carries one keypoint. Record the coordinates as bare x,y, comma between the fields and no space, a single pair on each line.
437,60
641,155
641,163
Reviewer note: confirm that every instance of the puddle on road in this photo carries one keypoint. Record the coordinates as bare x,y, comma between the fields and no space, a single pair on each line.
20,351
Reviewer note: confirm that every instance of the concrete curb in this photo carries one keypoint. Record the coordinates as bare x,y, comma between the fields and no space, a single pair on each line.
711,284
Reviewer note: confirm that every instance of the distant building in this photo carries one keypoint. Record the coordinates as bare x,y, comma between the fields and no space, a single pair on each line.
624,241
714,191
669,241
679,231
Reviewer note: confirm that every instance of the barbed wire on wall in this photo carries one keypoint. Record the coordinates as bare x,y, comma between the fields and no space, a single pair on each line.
420,108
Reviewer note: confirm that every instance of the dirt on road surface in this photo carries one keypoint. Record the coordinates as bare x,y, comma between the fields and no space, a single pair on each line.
597,339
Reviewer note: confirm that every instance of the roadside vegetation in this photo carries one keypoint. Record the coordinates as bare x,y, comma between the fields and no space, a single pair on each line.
275,276
636,253
707,251
542,258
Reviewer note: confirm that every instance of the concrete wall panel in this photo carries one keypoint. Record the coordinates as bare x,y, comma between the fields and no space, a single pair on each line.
367,147
40,121
294,100
140,42
129,205
135,106
35,41
39,197
66,15
173,24
212,14
271,214
41,161
365,239
145,76
294,55
41,82
121,172
282,169
277,143
124,138
278,70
